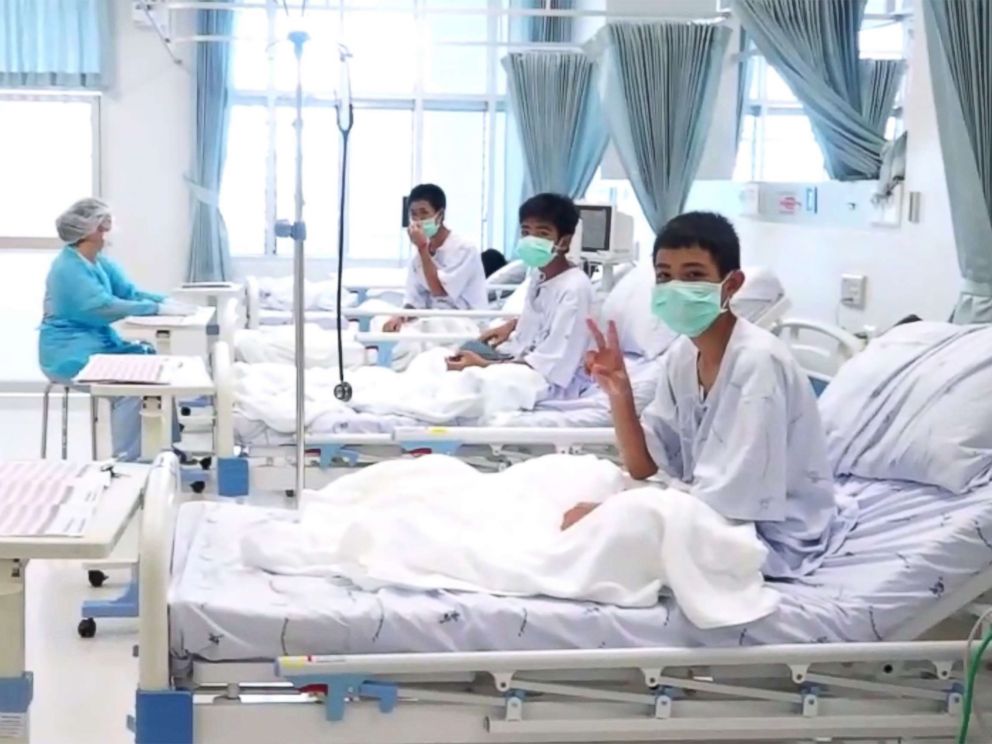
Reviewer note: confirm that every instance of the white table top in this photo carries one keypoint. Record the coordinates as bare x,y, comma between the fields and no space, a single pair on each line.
198,320
209,289
116,508
190,379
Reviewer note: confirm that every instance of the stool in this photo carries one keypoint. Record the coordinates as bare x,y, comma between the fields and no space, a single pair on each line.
66,387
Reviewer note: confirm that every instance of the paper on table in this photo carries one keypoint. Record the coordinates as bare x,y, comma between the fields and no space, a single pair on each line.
127,368
49,498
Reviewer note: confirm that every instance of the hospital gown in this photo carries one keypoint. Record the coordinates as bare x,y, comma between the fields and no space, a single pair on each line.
753,448
551,335
459,267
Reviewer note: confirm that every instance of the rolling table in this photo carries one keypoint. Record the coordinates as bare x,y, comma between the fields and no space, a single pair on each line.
185,335
190,380
118,504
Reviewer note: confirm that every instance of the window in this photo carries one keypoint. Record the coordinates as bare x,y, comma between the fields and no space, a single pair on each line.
44,135
777,141
427,108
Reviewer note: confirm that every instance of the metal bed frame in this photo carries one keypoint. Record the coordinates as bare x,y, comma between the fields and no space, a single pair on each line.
901,689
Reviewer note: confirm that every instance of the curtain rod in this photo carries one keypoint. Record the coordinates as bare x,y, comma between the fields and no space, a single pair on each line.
175,5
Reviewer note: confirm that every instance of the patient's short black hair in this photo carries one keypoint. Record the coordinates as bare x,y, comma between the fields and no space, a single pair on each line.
430,193
556,209
712,232
492,261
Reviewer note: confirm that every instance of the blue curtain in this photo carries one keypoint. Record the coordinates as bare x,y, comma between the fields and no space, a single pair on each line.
542,28
209,255
659,82
813,45
55,43
744,70
959,44
556,109
535,29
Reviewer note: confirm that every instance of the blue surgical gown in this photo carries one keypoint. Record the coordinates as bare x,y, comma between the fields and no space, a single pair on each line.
753,449
82,299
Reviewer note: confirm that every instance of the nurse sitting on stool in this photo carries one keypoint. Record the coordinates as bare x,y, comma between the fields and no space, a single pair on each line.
84,293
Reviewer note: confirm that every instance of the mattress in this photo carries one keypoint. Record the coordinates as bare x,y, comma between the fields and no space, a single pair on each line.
912,545
587,411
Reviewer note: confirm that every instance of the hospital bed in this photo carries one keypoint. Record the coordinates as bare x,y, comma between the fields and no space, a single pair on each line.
231,654
263,309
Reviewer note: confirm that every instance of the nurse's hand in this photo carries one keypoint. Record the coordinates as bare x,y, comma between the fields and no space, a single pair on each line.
393,325
605,363
417,236
577,512
171,307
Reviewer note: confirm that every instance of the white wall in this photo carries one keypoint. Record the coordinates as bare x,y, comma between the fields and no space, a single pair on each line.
910,269
147,135
146,139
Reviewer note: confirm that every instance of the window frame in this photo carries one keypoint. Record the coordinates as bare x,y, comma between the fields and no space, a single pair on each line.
94,98
490,103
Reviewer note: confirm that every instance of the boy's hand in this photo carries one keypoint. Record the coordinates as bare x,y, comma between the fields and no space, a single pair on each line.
393,325
417,236
464,360
605,363
577,512
498,335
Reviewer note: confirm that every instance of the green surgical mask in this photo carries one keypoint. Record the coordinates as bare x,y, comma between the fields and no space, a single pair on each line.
688,308
535,252
430,227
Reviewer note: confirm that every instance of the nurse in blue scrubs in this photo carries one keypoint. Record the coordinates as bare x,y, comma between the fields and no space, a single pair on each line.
85,292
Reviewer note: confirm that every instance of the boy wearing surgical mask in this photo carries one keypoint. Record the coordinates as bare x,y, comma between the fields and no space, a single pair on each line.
550,335
445,271
734,417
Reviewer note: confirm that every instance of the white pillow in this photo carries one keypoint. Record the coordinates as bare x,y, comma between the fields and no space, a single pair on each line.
914,406
512,273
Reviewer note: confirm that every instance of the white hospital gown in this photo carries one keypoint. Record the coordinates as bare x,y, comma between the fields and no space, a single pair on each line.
551,335
459,267
754,449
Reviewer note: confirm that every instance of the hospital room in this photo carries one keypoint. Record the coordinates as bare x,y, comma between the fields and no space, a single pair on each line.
477,371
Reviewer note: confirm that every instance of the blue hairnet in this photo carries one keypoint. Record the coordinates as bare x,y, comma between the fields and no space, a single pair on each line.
82,219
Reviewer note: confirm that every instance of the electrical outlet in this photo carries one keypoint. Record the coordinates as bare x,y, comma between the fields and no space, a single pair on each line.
853,288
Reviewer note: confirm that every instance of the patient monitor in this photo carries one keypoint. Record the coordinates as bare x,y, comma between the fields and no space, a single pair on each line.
607,234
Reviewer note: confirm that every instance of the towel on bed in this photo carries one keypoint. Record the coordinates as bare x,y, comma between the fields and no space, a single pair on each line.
436,523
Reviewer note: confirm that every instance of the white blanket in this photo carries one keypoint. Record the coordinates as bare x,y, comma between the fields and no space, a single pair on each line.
436,523
425,391
277,344
276,293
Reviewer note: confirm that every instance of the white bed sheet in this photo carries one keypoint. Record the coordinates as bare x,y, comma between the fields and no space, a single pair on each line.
912,545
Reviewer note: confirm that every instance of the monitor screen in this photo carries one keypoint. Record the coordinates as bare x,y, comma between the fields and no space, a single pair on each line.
595,228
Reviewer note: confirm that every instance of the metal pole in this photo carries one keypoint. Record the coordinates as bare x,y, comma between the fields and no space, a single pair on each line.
299,271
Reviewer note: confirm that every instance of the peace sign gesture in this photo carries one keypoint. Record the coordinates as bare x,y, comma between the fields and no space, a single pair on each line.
605,363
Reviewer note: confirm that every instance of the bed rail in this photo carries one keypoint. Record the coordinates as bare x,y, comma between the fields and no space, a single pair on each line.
223,400
558,437
253,303
154,570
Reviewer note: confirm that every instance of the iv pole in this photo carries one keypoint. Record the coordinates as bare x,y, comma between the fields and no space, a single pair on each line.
297,230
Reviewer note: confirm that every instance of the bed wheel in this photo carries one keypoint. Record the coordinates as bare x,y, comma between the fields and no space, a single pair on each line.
96,578
198,486
290,493
185,411
87,627
206,463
